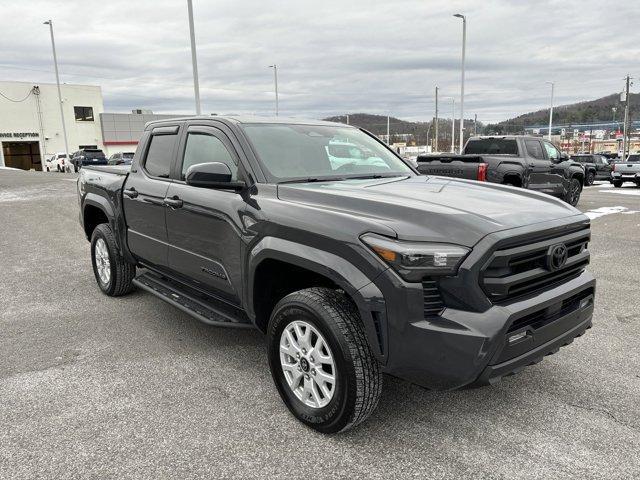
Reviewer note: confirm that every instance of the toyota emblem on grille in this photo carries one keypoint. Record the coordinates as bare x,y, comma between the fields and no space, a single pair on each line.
557,257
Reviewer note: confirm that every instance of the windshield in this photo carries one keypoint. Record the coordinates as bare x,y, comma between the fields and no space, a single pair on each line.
491,146
581,158
633,159
290,152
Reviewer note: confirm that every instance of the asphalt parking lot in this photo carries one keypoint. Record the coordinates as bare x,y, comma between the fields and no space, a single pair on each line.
92,386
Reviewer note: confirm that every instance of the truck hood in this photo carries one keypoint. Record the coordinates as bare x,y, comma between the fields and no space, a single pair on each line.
438,209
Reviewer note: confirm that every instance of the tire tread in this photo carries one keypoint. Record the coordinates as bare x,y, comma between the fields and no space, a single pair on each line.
124,271
345,315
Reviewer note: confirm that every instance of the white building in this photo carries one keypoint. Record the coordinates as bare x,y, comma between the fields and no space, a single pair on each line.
30,123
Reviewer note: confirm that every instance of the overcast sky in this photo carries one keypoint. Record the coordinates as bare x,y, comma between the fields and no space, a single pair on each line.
333,56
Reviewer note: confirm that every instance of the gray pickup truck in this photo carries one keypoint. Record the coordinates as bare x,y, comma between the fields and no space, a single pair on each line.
522,161
350,262
628,171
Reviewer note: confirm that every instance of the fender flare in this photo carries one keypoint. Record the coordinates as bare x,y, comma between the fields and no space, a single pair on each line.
365,294
98,202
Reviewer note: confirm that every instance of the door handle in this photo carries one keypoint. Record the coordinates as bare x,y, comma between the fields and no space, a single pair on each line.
173,202
131,192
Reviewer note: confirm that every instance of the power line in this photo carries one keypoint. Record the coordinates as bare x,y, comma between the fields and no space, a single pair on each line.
17,101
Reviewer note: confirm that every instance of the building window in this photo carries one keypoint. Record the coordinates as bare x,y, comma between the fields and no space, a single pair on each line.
83,114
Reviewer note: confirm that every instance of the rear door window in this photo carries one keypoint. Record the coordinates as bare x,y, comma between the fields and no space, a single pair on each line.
160,155
534,149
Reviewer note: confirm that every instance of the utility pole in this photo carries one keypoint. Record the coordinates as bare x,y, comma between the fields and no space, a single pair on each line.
625,135
436,120
464,46
388,135
194,60
550,111
43,140
55,63
275,81
347,119
475,124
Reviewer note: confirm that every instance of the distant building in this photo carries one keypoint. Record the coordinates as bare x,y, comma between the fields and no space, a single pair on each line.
30,123
122,131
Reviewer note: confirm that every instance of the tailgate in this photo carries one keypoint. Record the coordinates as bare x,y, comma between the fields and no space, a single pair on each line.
470,167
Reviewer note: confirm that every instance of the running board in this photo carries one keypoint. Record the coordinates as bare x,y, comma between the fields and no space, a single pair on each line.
204,308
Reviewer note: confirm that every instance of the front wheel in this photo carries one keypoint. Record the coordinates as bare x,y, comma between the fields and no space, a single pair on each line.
113,274
320,360
572,197
617,184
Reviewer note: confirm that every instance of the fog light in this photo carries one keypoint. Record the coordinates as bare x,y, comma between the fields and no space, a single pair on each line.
517,336
585,302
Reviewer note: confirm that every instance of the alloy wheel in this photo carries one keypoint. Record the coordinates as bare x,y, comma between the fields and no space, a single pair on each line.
307,364
103,264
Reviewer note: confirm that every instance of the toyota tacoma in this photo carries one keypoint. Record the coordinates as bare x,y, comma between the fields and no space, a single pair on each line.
352,268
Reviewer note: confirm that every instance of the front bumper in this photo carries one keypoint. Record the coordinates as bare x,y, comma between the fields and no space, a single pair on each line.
459,347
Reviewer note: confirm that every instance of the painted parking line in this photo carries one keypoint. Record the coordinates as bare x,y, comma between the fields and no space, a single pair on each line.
634,192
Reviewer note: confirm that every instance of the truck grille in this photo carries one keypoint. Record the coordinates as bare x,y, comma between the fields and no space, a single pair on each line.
526,268
433,304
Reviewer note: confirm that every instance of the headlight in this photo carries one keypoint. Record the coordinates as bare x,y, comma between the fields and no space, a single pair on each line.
415,260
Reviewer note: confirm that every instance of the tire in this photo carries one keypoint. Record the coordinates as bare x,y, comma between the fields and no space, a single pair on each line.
591,177
120,272
75,169
48,169
58,168
357,378
617,184
572,197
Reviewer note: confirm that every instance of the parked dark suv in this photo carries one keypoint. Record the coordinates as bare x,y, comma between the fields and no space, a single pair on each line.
352,265
597,167
88,156
121,158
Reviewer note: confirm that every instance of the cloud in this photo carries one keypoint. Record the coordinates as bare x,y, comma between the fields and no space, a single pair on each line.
333,56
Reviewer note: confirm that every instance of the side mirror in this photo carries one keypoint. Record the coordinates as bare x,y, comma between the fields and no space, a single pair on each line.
211,175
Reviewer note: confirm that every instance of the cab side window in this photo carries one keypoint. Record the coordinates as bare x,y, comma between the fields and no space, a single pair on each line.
204,148
160,155
552,151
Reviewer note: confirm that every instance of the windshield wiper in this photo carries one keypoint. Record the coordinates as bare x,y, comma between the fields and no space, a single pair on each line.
375,176
312,180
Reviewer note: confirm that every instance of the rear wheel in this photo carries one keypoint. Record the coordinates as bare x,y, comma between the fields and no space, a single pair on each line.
572,197
617,184
113,274
591,177
48,169
320,360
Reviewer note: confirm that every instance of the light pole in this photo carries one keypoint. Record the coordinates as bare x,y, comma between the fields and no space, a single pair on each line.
436,121
388,134
275,81
550,110
194,60
453,125
464,45
55,64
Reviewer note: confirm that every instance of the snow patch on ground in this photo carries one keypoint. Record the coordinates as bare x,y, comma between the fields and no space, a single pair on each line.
602,211
30,194
624,191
